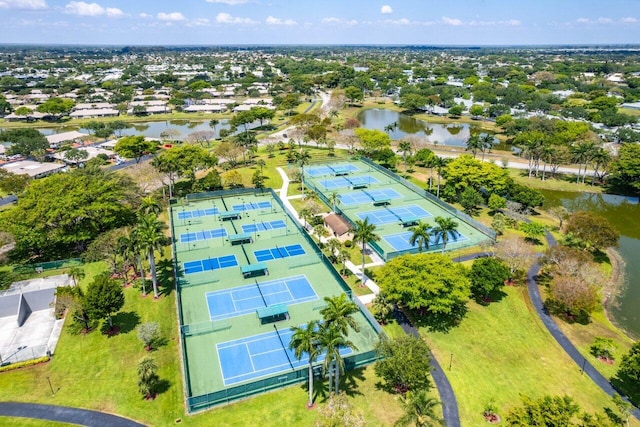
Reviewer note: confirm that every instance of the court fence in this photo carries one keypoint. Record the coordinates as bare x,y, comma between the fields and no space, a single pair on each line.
44,266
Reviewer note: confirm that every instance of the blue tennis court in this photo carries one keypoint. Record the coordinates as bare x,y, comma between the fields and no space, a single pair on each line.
262,226
316,171
208,264
350,181
394,214
367,196
251,206
278,252
246,299
197,213
260,355
400,241
202,235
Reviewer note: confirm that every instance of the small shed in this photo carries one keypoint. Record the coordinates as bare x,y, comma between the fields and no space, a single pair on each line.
337,224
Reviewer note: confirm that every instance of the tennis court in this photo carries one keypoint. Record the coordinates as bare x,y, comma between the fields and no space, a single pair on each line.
394,214
315,171
400,241
247,299
202,235
262,226
251,206
208,264
260,355
279,252
368,196
348,181
197,213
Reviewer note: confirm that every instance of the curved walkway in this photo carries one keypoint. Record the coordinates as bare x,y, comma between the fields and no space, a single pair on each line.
64,414
560,337
449,403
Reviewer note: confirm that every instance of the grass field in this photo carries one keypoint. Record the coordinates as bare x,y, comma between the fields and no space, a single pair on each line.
28,422
502,351
559,183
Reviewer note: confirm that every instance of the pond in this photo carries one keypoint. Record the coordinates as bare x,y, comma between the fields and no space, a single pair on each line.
154,129
624,214
453,134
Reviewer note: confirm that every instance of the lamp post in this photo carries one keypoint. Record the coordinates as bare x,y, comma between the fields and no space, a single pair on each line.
53,393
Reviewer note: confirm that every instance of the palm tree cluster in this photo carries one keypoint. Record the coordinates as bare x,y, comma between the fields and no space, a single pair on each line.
444,229
145,238
326,337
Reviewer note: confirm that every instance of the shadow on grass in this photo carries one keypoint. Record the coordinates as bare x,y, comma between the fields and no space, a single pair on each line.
164,270
494,296
626,387
125,321
438,322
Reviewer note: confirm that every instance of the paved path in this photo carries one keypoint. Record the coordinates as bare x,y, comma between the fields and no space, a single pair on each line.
560,337
448,398
64,414
449,403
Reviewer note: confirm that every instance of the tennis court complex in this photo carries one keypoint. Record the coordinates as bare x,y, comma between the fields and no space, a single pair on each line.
393,205
239,272
354,182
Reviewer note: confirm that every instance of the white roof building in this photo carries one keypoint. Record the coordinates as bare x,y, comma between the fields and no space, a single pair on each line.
32,168
58,138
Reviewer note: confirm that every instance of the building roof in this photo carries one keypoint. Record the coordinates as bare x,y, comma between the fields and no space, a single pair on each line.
93,105
213,107
337,224
91,151
94,112
65,136
33,169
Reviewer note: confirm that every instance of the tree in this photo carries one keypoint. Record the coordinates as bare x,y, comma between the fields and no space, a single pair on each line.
304,340
445,228
150,205
455,111
496,202
533,231
629,370
404,364
487,275
471,199
257,180
625,170
56,106
419,410
547,411
364,232
61,214
72,299
24,141
149,334
302,158
570,295
515,252
405,148
413,101
148,379
372,140
150,235
474,144
429,282
76,273
342,257
353,94
104,297
331,340
476,110
421,234
339,313
465,171
134,147
560,213
382,308
76,155
594,231
603,348
338,412
12,183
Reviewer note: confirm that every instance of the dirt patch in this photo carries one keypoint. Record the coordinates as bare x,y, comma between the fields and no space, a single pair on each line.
607,360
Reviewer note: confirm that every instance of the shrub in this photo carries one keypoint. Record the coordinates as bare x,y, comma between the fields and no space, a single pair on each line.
603,348
24,364
348,243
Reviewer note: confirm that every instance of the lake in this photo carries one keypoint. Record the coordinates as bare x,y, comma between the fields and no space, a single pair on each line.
624,214
435,133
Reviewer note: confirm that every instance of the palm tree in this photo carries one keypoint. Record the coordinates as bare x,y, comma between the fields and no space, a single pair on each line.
439,163
332,246
419,410
486,142
342,257
302,158
151,237
364,232
305,340
339,312
76,273
150,205
421,235
260,163
446,227
405,148
320,231
147,377
474,144
331,339
600,158
582,154
213,123
334,199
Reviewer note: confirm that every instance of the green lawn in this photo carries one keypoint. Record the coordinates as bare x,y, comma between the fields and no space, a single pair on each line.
28,422
559,183
502,351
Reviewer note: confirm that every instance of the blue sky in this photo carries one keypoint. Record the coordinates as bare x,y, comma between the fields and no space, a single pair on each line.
211,22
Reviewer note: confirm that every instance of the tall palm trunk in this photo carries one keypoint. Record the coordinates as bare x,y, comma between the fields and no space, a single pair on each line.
364,246
310,384
144,280
152,267
336,388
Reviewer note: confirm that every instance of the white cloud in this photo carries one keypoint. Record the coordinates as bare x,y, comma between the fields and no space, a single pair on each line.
605,20
225,18
229,2
401,21
23,4
451,21
91,9
198,22
339,21
145,15
629,20
277,21
582,21
386,9
509,23
171,17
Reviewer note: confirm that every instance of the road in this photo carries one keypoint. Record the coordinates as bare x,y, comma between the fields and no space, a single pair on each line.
64,414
